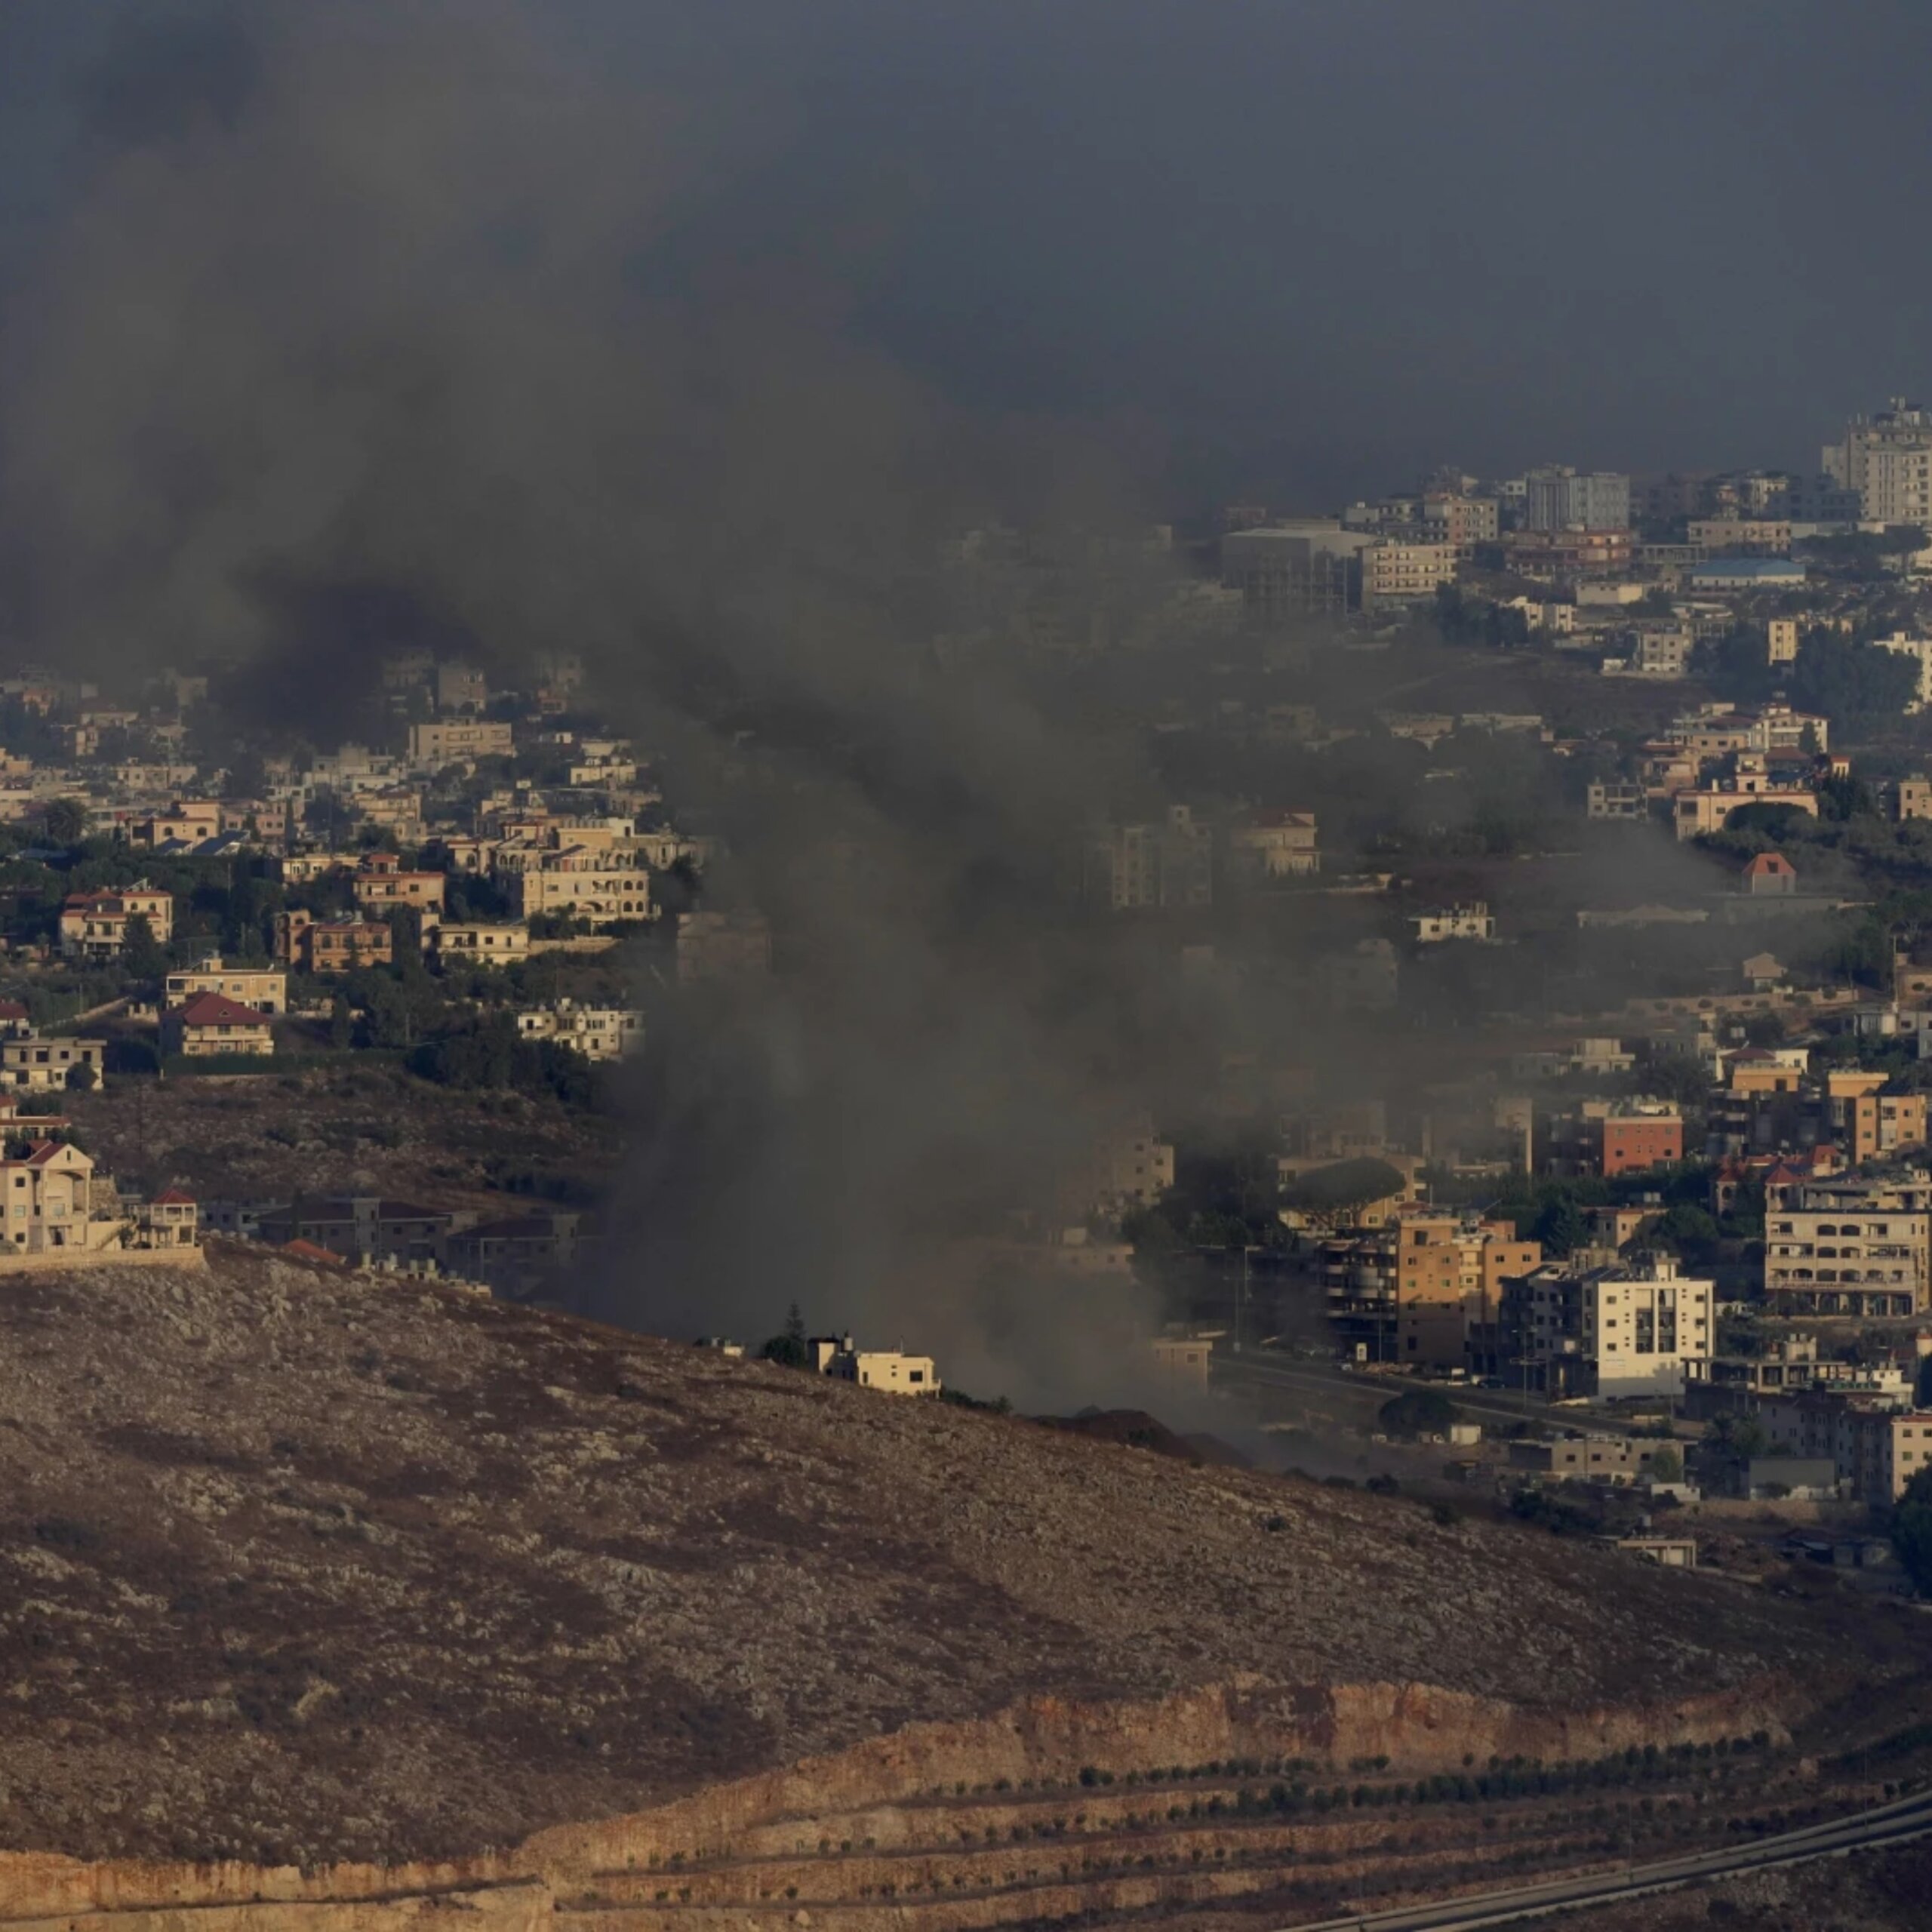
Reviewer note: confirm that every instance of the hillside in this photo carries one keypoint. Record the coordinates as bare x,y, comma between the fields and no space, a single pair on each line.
301,1566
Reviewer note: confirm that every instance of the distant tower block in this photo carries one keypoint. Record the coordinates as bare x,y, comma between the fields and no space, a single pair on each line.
1781,641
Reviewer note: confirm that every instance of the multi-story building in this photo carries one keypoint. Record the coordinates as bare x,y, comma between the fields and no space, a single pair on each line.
461,687
1167,863
1919,649
39,1064
1290,569
1698,810
722,947
264,988
360,1227
1637,1328
1886,458
574,881
47,1203
380,883
451,740
206,1024
1851,1247
332,946
1617,798
1474,920
1394,571
596,1032
1876,1444
1737,536
1461,521
93,925
1559,498
482,945
1274,844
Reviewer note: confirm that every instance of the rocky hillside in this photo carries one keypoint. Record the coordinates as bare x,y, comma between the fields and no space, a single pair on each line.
301,1566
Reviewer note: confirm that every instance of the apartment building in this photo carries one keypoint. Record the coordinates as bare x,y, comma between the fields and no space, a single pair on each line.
264,988
1851,1247
479,945
596,1032
1875,1446
453,740
1708,808
1559,498
1274,844
332,946
1396,571
93,925
1740,536
380,883
41,1065
1168,864
576,881
1289,570
1637,1328
1886,458
1441,923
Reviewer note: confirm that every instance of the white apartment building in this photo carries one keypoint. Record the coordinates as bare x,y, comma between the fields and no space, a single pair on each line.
1473,920
1636,1328
1886,459
481,944
1919,649
596,1032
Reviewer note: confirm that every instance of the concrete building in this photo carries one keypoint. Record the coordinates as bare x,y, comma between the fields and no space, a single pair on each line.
1874,1446
1274,844
49,1203
1919,649
578,882
1618,1459
493,945
1851,1247
332,946
1886,459
1768,874
1635,1328
452,741
206,1024
1396,571
93,925
596,1032
1781,640
263,988
1166,864
1559,498
380,883
1290,569
1707,808
888,1369
1736,535
1441,923
720,948
41,1065
461,687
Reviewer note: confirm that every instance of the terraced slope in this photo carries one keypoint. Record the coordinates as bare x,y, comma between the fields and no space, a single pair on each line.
298,1567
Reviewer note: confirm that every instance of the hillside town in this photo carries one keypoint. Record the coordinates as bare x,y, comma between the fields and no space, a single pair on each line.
1610,947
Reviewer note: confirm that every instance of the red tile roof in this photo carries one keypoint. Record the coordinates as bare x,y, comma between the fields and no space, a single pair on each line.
217,1010
174,1196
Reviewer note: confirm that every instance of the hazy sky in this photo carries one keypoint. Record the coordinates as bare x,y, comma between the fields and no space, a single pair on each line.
1308,248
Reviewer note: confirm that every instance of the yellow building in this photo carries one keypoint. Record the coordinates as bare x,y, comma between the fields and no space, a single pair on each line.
450,741
264,988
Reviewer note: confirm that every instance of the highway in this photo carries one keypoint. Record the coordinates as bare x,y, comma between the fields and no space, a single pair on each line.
1890,1824
1319,1382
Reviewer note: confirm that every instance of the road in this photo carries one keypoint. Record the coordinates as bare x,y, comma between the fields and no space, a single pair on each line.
1889,1824
1319,1382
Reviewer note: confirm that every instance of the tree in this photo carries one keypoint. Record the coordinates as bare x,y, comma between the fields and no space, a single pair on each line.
1911,1531
1925,1384
1559,1225
787,1348
65,822
1846,681
341,1024
1666,1466
141,955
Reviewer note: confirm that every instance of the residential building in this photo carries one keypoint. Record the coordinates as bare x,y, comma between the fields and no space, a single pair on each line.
596,1032
1768,873
93,925
1274,844
576,882
521,1256
210,1023
1394,571
332,946
1128,1166
264,988
722,947
1919,649
1875,1444
482,945
1886,458
452,741
1291,569
1781,640
461,687
1473,920
1758,536
1617,798
1461,521
1168,864
360,1228
1618,1459
1558,498
1636,1328
47,1199
1182,1362
380,883
888,1369
1744,574
1912,798
1708,808
39,1064
1628,1137
1851,1247
1568,553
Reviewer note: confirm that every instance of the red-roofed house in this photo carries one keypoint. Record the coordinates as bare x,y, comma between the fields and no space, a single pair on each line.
171,1219
44,1200
213,1023
94,925
1770,872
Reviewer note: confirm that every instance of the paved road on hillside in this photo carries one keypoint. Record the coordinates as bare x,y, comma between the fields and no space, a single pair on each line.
1890,1824
1370,1391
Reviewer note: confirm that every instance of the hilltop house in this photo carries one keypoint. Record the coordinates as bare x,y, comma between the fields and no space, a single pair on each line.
93,925
265,988
1769,873
213,1023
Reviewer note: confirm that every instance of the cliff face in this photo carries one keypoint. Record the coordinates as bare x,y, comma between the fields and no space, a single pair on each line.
732,1843
302,1569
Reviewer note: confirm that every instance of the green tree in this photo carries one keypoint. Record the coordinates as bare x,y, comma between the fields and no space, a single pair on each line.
1666,1466
1559,1225
1419,1412
1911,1531
141,956
342,1030
787,1348
65,822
